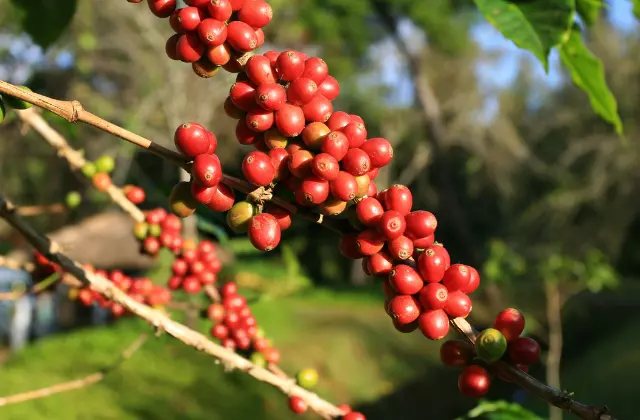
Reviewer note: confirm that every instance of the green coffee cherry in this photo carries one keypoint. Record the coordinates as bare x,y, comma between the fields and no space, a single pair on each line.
307,378
89,169
15,103
181,201
491,345
155,230
258,359
73,199
141,230
239,215
105,163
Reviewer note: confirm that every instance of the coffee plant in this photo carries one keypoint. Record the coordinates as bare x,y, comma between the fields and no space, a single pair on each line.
306,160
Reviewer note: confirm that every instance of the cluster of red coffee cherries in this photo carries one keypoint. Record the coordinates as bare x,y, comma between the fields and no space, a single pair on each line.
422,288
194,267
199,145
236,327
213,33
141,289
160,229
502,342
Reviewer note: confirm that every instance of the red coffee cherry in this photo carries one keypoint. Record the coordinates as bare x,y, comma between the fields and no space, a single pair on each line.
237,4
457,277
301,91
206,170
300,164
264,232
441,250
434,324
400,248
456,353
369,242
313,190
379,264
405,328
258,169
379,150
260,36
188,18
212,32
434,296
458,304
431,265
271,96
222,200
201,193
134,194
524,351
314,134
289,65
296,404
329,88
315,69
373,173
474,281
197,3
219,331
171,47
399,198
354,416
344,187
191,139
346,409
280,161
241,36
259,71
405,280
162,8
325,166
404,309
191,285
290,120
338,120
336,144
282,216
101,181
369,211
349,247
391,224
420,224
219,55
510,322
356,162
356,134
271,355
247,136
189,48
319,109
259,120
474,382
243,95
256,13
219,9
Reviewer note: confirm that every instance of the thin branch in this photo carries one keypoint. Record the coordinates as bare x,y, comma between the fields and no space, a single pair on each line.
74,158
44,209
158,319
73,112
77,383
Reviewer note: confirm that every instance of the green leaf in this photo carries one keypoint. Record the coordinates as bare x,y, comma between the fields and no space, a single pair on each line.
636,8
45,20
537,26
589,10
587,72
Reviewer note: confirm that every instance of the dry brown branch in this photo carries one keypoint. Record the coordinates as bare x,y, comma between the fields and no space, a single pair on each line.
73,112
44,209
74,158
77,383
158,319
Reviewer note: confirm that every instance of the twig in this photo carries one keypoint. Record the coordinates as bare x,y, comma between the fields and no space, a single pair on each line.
74,158
73,112
44,209
158,319
35,289
78,383
212,292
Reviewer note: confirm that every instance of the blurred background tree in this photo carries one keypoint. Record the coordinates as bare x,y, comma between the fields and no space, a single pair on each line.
528,184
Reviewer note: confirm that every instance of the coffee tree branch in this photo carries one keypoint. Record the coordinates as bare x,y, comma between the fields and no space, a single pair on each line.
73,112
158,319
77,383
